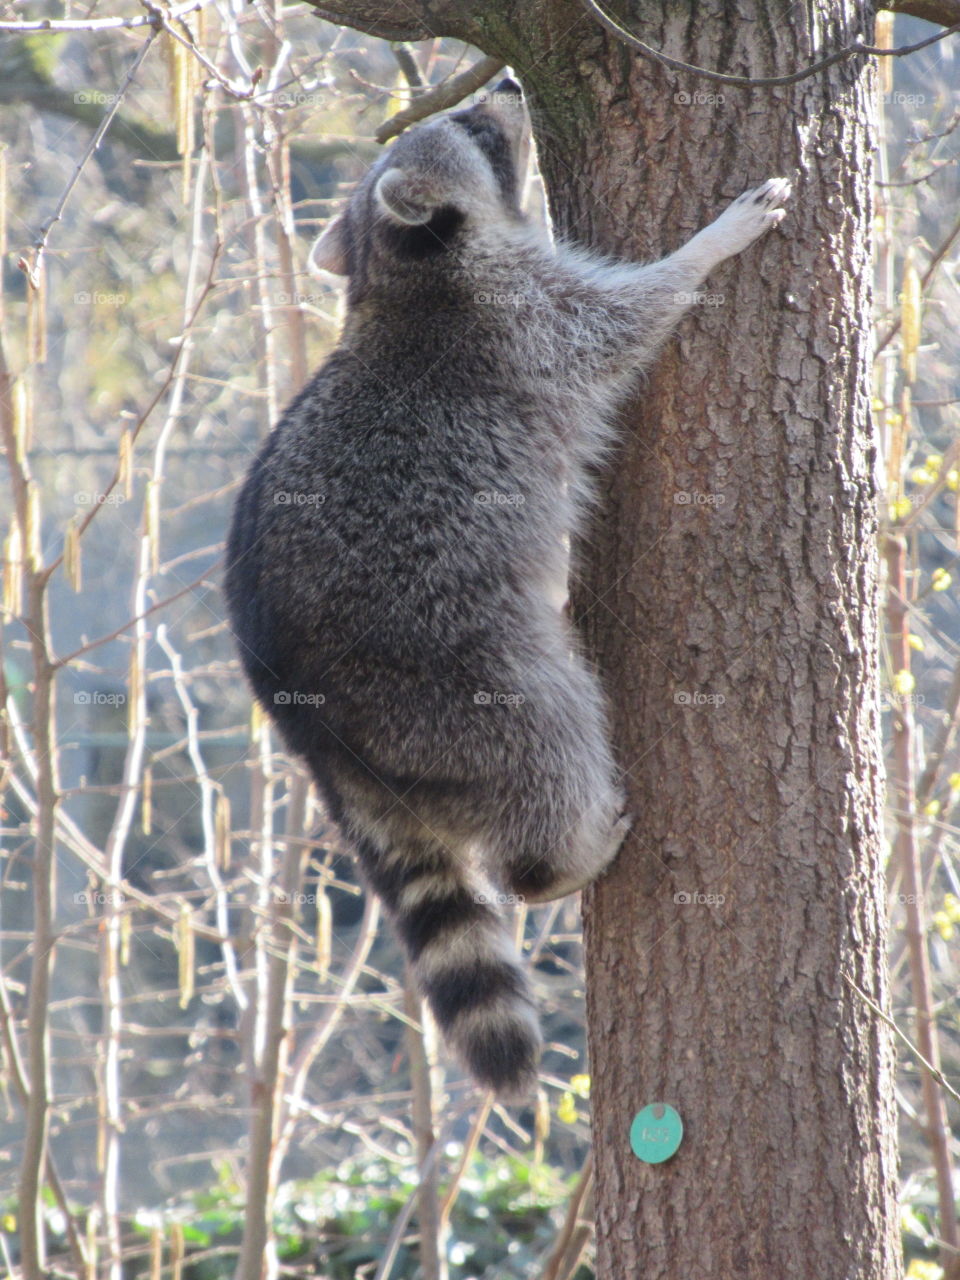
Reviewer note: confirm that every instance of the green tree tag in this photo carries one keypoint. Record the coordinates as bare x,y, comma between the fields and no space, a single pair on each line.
656,1133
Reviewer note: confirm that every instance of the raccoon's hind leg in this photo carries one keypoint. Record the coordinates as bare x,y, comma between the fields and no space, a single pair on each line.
560,819
463,956
561,853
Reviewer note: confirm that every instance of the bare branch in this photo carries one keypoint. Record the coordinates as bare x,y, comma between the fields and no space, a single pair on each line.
937,1074
575,1232
138,618
925,279
908,855
421,1050
441,96
55,25
466,1156
943,12
34,1157
401,22
276,954
17,1073
857,49
33,270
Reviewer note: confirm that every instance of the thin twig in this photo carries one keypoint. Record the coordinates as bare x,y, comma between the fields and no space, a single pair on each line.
33,270
33,1162
208,797
140,617
432,1255
925,279
276,950
389,1255
299,1071
908,856
55,25
442,96
469,1147
858,48
556,1268
937,1074
17,1072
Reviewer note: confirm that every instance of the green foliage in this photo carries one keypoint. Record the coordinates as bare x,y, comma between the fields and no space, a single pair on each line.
506,1208
918,1225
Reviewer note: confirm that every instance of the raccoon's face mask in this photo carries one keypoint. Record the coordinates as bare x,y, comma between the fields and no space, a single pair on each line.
460,168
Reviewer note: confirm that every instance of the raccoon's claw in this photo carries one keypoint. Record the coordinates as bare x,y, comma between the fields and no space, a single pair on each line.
773,192
752,214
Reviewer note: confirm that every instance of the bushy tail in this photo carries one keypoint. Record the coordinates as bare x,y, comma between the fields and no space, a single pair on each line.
464,958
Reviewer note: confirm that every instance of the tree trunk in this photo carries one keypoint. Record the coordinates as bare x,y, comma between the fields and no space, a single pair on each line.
729,594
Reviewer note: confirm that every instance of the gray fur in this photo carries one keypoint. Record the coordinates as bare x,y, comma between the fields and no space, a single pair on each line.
400,612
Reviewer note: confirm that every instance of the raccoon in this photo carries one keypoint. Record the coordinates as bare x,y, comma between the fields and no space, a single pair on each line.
397,557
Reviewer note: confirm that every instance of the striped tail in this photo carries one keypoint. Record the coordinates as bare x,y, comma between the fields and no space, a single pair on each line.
466,963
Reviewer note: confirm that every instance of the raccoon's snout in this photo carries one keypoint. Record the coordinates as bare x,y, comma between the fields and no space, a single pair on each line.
509,86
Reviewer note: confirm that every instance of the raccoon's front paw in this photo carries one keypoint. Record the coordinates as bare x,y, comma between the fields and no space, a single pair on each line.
750,216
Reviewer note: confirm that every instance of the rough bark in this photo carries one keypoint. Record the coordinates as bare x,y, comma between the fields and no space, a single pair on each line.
739,636
736,627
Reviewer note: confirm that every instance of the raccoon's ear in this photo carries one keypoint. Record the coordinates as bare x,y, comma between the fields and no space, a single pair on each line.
408,198
329,253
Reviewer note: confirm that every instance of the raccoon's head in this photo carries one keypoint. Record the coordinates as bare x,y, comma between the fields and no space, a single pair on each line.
436,184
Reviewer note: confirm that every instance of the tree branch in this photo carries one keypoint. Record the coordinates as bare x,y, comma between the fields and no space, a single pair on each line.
400,22
25,79
33,270
925,279
441,96
908,855
944,12
571,1238
858,48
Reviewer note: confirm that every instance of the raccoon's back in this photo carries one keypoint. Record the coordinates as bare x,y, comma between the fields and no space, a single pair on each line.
364,594
363,506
